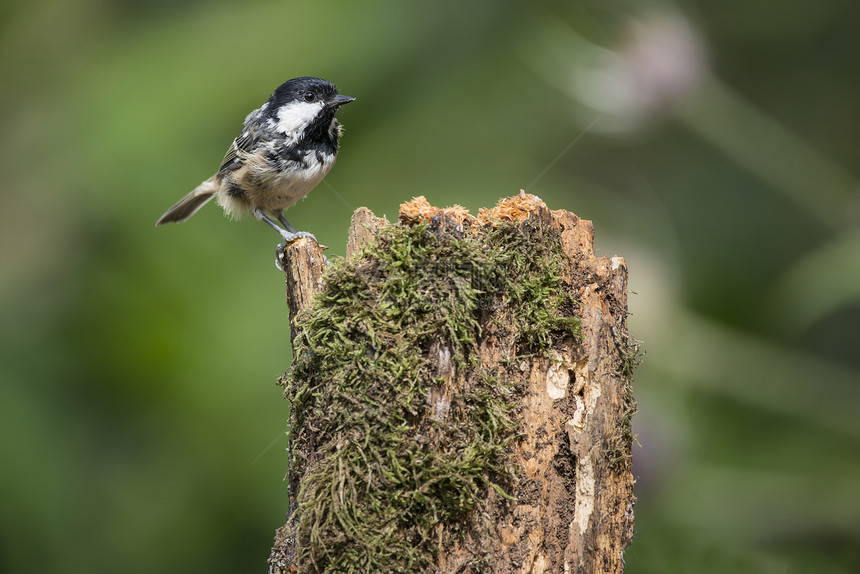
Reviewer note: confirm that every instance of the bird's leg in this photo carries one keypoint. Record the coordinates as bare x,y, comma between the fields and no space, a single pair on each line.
286,223
289,234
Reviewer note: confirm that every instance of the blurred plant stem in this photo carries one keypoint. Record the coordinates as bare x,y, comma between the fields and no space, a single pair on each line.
814,183
758,373
801,289
770,151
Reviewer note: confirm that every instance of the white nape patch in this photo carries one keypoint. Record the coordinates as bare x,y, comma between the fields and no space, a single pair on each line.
294,117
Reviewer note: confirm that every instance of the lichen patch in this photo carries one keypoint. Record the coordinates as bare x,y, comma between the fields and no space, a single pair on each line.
557,377
584,493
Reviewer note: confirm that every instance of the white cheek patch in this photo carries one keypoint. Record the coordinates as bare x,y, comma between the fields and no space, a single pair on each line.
293,118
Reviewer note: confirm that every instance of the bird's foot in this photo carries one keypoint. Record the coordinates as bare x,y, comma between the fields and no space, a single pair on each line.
289,237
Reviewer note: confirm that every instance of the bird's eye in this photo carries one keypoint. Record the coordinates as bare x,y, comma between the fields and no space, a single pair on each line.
309,96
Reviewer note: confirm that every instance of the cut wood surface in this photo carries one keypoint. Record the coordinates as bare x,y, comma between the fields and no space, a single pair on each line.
519,336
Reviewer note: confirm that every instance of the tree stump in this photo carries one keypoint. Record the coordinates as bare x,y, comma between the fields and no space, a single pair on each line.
460,397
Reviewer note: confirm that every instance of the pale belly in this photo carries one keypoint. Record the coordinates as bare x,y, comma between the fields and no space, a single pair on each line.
254,188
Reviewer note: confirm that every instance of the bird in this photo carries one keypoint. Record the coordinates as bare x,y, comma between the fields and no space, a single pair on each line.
285,148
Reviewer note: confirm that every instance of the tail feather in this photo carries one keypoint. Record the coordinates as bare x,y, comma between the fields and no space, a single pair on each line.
188,205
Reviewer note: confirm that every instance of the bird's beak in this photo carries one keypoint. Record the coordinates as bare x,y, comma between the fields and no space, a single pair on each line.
339,100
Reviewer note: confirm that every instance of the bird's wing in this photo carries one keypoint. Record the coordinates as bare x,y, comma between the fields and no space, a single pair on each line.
245,142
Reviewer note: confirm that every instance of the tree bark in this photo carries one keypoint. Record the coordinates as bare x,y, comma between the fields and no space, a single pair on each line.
567,504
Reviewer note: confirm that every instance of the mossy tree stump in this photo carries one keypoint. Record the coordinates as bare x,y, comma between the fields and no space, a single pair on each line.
460,397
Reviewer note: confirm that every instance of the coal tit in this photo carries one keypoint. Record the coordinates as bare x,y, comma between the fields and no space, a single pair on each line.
285,149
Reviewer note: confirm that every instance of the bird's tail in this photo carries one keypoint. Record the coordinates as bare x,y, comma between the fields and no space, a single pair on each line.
188,205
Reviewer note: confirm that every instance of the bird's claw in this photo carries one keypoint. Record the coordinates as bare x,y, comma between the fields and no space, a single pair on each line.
289,237
279,256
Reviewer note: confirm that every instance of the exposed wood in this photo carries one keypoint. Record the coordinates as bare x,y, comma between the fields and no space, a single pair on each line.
362,230
303,263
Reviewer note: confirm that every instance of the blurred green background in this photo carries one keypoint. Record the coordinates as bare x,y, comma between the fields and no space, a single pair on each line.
711,143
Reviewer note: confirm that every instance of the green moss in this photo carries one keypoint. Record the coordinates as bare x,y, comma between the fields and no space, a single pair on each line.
617,448
387,464
631,357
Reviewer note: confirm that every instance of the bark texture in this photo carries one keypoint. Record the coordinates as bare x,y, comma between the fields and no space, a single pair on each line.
569,504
